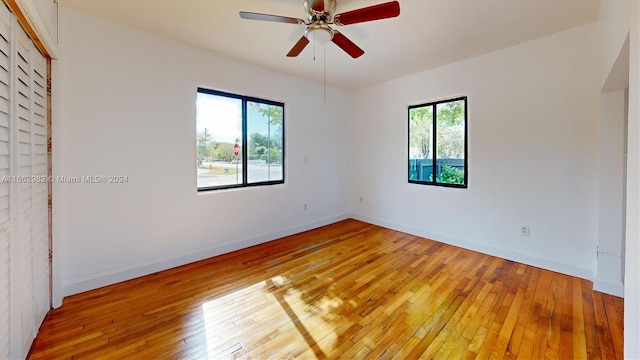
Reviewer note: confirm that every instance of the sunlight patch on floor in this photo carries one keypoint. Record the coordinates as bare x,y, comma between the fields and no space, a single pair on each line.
272,319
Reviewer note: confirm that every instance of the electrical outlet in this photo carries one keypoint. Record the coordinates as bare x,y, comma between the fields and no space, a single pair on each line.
305,207
305,159
524,230
361,200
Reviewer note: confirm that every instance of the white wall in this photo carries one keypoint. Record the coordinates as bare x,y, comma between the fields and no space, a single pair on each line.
533,111
127,107
611,183
617,20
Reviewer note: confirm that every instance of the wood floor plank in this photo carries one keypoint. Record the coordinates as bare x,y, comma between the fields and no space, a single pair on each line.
506,330
554,332
605,344
614,308
590,322
579,341
347,290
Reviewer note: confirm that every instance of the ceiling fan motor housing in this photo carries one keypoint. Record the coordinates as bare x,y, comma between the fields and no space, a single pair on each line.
319,10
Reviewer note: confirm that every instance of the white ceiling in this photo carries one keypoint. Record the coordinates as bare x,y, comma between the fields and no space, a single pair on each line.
427,34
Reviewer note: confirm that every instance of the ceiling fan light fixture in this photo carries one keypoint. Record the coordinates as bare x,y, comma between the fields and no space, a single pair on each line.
319,35
321,15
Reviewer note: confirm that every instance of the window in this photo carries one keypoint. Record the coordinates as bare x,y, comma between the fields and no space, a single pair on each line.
239,141
438,143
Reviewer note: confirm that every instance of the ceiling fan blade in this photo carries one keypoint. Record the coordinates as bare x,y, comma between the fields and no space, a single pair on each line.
267,17
371,13
298,47
317,5
347,45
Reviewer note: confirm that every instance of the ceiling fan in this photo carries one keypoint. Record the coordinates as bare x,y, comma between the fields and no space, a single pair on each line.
320,14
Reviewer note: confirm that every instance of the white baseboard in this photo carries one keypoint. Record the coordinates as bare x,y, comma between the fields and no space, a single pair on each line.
505,253
608,286
132,272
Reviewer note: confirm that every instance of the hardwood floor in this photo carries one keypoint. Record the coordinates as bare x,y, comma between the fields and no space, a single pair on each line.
348,290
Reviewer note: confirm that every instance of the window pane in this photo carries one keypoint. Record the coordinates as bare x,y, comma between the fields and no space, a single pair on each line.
421,143
219,128
265,155
450,142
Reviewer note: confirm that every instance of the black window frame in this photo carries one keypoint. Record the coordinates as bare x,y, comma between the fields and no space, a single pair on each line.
434,140
245,182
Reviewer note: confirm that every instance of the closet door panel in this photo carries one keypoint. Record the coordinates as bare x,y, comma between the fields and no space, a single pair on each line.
5,170
22,220
24,238
39,196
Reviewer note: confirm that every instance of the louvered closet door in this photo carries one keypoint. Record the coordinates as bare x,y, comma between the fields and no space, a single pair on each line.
39,196
5,170
24,239
23,189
